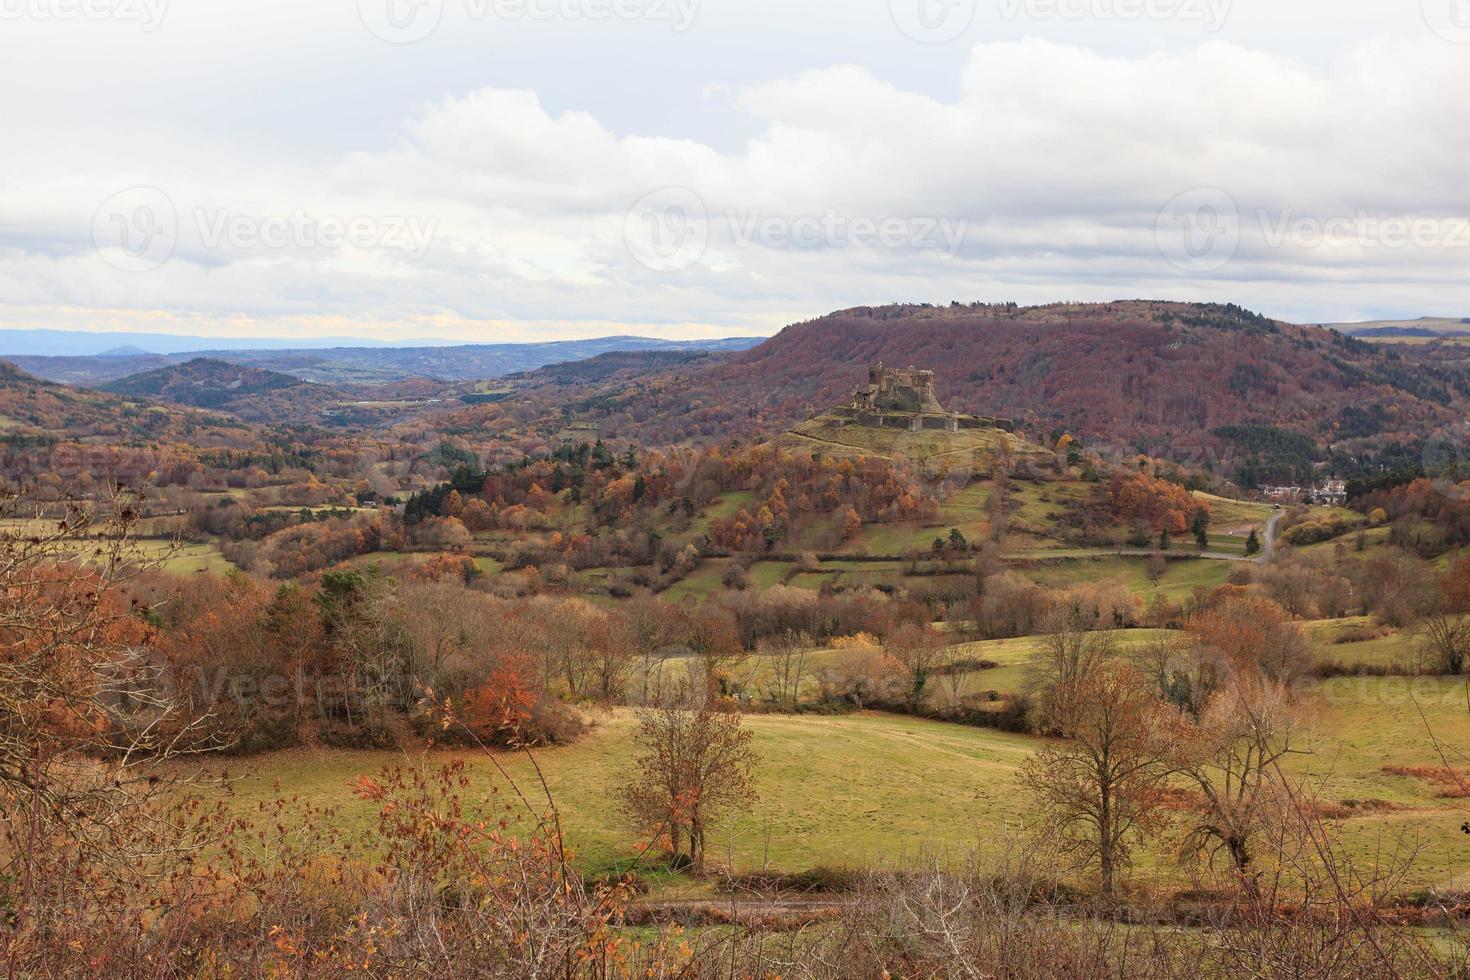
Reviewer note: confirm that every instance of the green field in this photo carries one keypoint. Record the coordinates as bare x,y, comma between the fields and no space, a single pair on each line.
705,580
727,505
1227,514
1338,640
187,559
175,557
869,789
1181,577
920,785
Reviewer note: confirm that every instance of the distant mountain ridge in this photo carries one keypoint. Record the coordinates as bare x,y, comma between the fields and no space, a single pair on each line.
1422,327
86,343
372,365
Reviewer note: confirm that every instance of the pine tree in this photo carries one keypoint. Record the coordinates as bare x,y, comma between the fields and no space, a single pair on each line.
1201,527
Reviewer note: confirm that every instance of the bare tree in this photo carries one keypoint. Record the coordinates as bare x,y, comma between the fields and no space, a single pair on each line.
1445,638
1232,757
1336,926
694,767
1070,651
611,644
444,622
361,612
919,649
1099,788
654,628
958,665
787,653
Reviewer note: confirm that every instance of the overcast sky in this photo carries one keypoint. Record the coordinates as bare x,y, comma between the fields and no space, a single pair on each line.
506,170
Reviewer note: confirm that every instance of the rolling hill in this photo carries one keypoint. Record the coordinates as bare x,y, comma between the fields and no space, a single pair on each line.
255,394
1169,378
32,409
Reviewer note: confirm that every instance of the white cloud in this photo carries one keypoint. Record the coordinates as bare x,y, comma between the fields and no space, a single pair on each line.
1054,159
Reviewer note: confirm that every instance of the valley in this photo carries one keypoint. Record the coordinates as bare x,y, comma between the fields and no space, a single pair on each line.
354,591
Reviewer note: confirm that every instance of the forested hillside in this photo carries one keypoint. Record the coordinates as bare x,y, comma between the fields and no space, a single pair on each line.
1148,376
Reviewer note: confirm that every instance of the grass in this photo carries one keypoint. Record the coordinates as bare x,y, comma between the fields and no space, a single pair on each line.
1017,657
1227,514
919,785
705,580
176,559
1374,539
1037,506
764,574
1365,724
188,559
970,450
869,789
895,539
1180,578
1393,648
727,505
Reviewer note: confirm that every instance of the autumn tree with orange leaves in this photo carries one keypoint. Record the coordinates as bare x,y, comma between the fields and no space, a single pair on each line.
499,711
85,715
1162,505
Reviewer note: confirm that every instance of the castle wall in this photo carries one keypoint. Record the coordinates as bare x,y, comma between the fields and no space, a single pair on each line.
899,398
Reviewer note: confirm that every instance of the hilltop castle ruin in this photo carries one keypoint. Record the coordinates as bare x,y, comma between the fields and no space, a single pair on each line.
904,398
898,390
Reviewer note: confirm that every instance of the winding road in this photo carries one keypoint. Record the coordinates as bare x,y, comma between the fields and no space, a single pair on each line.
1268,548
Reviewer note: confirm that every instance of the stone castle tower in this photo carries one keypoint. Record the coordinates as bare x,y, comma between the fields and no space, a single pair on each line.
898,390
904,398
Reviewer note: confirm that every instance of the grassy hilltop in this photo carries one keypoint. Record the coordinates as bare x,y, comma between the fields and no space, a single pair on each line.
833,435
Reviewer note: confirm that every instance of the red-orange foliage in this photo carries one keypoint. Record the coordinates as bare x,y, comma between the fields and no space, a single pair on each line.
1163,505
445,568
1253,634
499,710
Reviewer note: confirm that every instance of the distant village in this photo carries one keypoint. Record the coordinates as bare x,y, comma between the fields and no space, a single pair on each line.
1332,492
